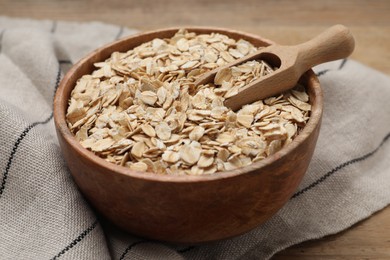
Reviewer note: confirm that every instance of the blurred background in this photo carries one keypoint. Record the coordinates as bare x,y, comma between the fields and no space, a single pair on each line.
283,21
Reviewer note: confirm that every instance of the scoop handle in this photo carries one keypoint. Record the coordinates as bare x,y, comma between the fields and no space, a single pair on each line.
334,43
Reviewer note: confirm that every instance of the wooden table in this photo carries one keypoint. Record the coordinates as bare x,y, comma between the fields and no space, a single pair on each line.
286,22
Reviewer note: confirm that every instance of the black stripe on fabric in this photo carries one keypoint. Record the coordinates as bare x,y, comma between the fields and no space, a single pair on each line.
127,250
186,249
65,62
130,247
341,166
15,148
1,38
23,135
76,240
119,33
53,27
323,72
58,79
343,63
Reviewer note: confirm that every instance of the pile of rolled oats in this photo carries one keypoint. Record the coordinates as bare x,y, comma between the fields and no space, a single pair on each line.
141,110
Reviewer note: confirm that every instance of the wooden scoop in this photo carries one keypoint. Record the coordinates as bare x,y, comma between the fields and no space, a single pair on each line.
292,61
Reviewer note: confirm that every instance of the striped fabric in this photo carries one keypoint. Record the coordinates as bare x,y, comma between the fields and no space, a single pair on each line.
43,215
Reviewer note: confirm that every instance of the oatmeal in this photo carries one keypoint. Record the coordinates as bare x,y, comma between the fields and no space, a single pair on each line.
140,109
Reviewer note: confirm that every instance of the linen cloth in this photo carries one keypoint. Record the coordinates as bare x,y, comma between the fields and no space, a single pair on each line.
44,216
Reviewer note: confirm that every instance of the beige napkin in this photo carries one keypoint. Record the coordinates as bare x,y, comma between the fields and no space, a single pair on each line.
43,215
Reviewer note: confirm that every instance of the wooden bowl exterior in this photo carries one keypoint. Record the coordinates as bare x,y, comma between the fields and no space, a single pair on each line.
186,209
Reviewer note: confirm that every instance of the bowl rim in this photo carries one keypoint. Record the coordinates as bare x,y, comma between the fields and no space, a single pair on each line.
59,111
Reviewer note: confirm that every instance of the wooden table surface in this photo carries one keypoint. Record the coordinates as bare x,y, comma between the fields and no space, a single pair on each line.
286,22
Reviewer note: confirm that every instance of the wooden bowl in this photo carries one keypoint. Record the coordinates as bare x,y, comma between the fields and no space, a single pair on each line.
186,209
